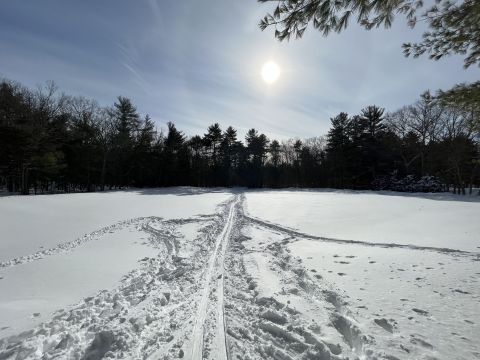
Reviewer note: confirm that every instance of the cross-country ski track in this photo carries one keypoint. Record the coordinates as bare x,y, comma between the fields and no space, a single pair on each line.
214,275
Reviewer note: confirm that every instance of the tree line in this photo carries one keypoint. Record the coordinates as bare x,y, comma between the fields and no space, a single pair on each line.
52,142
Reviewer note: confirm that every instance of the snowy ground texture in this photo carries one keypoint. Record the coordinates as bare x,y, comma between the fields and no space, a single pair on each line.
202,274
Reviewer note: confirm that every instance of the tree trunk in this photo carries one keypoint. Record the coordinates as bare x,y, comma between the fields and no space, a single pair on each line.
24,185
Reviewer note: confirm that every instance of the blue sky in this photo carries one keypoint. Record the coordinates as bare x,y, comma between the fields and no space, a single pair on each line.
198,62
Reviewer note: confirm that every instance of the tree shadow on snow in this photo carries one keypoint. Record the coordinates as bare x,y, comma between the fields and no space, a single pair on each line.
443,196
185,191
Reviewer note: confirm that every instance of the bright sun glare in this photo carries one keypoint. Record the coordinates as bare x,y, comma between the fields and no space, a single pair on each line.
270,72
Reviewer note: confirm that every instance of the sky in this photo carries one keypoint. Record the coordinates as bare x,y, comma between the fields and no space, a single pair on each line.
196,63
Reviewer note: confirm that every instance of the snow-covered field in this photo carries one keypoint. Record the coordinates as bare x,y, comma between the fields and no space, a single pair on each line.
233,274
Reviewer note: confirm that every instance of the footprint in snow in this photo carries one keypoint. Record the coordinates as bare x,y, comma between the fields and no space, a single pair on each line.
35,314
383,323
341,274
461,291
420,311
417,340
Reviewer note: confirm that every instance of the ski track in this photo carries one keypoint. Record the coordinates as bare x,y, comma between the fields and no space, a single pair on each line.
214,264
221,321
205,307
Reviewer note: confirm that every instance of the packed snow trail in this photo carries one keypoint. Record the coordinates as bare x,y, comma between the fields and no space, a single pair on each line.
215,267
221,320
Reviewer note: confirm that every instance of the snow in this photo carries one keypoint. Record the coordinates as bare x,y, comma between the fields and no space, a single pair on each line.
30,222
385,262
216,274
419,296
436,220
31,292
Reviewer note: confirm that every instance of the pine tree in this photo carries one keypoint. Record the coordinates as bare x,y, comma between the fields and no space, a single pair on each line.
143,153
370,144
213,140
127,123
228,149
175,163
338,146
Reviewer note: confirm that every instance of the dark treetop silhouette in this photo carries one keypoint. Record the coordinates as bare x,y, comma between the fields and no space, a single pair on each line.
53,142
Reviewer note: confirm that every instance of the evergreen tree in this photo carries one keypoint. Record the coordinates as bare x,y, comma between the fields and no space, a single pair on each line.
143,154
213,140
228,149
371,145
127,123
338,146
175,163
256,155
199,163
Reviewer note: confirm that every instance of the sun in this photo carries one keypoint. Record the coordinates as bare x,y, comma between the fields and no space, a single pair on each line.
270,72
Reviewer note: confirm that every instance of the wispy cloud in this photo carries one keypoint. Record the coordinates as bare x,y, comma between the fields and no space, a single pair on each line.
196,63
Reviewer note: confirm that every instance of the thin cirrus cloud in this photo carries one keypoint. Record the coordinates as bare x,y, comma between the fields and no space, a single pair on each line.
196,63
